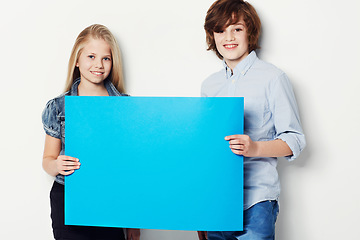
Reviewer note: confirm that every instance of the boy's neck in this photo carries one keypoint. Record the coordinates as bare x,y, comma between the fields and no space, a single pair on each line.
233,63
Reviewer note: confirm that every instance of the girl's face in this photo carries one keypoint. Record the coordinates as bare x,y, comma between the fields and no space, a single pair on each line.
232,43
95,61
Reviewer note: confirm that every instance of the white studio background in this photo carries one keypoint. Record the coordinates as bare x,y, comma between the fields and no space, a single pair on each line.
164,52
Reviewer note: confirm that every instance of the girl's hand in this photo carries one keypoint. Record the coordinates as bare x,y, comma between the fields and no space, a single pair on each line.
66,165
243,145
132,234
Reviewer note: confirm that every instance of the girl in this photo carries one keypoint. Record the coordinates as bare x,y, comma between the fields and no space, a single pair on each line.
95,69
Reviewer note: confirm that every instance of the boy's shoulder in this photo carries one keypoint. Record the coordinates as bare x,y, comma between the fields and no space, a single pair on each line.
268,68
268,74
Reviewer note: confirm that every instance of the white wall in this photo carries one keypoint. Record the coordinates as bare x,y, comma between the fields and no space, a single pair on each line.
315,42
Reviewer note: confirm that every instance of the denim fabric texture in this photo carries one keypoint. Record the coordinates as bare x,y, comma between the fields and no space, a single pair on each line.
259,224
53,116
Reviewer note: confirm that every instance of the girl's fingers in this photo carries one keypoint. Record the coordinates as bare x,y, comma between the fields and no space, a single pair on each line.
71,163
68,158
71,167
67,172
67,165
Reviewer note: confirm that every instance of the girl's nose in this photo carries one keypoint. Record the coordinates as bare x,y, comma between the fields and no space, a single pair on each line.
99,64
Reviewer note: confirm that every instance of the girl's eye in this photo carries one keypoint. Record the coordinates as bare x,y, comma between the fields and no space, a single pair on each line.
91,56
107,59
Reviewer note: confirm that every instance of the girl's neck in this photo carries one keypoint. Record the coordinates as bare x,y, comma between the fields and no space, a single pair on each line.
90,89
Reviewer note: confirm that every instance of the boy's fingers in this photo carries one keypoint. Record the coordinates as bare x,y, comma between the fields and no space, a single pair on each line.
236,141
237,147
237,152
230,137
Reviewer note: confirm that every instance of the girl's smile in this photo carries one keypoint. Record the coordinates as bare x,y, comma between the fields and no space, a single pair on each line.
97,73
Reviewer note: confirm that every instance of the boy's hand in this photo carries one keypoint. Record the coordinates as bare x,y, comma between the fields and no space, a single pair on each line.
132,234
243,145
67,165
202,235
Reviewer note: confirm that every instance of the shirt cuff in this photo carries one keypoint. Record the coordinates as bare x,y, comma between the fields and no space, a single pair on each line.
295,142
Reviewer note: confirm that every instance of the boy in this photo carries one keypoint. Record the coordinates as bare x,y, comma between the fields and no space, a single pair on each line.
271,126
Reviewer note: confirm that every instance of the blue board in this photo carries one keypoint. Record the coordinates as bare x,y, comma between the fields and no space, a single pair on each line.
154,162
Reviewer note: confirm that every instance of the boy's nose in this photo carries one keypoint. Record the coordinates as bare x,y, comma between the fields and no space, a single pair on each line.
229,36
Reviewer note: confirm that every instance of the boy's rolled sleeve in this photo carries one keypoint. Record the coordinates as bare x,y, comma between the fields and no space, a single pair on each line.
50,121
286,117
296,142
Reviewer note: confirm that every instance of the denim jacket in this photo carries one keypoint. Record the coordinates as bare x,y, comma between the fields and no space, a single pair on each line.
53,116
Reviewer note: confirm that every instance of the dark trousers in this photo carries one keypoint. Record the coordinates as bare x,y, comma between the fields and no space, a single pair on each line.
67,232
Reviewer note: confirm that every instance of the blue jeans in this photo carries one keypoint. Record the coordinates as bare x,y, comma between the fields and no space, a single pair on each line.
259,224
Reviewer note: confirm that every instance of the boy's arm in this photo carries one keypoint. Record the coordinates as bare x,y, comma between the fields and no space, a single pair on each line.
243,145
282,104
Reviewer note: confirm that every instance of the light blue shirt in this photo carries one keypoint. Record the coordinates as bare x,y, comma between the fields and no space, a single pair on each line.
270,113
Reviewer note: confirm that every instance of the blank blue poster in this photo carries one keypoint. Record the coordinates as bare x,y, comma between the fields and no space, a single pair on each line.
154,163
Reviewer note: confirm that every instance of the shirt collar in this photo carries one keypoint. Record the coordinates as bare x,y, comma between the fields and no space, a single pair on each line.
108,85
242,67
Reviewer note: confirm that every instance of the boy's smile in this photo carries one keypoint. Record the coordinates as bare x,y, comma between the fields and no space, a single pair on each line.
230,46
232,43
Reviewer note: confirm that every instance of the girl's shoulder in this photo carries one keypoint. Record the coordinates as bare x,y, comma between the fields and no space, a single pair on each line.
53,114
56,104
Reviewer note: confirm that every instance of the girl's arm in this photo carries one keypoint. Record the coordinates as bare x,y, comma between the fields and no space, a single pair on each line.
243,145
54,164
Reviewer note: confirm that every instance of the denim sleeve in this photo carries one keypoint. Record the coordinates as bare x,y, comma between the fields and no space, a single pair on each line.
50,120
286,116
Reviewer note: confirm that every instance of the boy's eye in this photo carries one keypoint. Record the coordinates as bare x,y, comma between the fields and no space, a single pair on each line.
238,30
221,31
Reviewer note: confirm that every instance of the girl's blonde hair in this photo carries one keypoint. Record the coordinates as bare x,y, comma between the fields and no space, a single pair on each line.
96,31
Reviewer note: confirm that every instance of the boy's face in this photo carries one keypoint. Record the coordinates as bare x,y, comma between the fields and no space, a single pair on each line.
232,43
